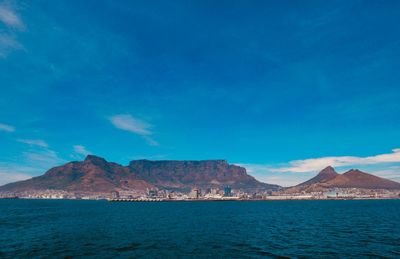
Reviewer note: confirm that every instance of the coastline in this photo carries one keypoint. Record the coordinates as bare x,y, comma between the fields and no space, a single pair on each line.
203,200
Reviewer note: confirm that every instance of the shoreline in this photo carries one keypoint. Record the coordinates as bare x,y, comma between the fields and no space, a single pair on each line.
201,200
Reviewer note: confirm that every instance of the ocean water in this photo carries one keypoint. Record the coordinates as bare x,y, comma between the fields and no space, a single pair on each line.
101,229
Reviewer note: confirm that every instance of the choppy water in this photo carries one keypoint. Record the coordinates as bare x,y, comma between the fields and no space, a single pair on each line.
320,229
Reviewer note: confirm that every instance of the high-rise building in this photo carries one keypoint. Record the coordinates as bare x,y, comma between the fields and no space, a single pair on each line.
195,193
227,191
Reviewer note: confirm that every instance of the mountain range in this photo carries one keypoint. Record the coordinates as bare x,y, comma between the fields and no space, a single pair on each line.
95,174
328,178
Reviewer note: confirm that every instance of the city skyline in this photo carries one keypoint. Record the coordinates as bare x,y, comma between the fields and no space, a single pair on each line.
284,92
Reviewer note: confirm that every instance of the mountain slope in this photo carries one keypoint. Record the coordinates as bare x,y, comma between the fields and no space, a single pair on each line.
94,174
325,175
359,179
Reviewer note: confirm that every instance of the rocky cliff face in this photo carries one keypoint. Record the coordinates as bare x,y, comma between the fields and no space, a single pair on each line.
202,174
95,174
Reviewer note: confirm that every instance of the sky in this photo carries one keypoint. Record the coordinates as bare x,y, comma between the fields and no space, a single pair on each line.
284,88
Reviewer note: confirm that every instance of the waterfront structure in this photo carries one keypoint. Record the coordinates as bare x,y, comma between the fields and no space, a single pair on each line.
115,195
195,194
152,193
227,191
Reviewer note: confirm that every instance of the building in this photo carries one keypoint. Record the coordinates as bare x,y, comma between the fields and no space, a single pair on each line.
214,191
227,191
115,195
195,193
152,193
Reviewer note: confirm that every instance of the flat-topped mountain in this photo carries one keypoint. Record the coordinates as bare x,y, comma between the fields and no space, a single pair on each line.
328,178
202,174
95,174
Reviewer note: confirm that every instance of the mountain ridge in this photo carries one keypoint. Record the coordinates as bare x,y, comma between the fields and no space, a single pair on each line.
326,174
95,174
328,178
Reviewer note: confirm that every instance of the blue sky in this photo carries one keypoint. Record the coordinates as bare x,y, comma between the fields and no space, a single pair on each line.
269,85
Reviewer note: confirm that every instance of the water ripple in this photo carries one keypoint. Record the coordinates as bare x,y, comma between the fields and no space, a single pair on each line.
295,229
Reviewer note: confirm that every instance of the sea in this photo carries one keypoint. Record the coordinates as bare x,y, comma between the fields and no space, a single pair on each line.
228,229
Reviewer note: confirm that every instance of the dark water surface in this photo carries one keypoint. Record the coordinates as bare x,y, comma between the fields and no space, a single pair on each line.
98,229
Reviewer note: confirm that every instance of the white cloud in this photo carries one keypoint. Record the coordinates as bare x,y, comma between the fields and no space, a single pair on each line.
13,22
7,128
282,180
35,161
34,142
18,171
8,43
256,168
315,164
151,141
81,150
9,177
288,174
10,18
265,173
129,123
392,173
43,159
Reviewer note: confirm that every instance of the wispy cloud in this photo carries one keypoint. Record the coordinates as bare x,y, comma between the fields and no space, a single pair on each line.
6,127
392,172
315,164
129,123
34,142
151,141
10,18
31,163
297,171
265,173
81,150
12,21
8,43
9,177
39,156
43,158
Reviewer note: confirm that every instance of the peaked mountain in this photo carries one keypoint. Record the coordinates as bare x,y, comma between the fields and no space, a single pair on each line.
325,175
353,178
95,174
